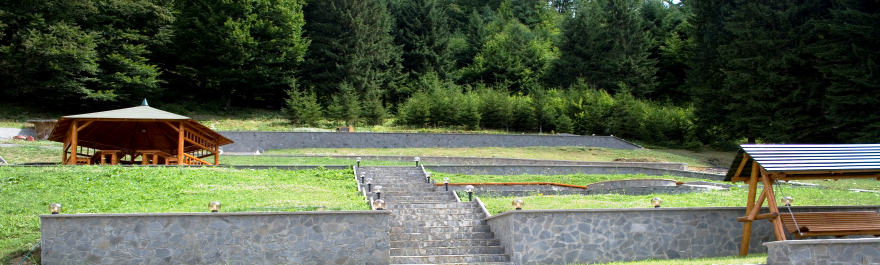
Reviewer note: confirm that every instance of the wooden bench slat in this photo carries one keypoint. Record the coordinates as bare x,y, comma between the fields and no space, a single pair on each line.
832,223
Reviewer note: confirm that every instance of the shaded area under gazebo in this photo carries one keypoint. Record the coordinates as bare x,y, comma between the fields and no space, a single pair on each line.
767,164
124,135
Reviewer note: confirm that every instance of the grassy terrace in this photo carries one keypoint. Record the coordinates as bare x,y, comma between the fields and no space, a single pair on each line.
33,152
26,193
836,194
750,259
578,153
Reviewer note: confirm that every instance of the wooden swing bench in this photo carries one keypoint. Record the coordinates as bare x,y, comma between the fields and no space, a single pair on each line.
838,224
769,164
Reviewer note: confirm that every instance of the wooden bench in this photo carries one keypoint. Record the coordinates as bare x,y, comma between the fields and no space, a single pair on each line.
837,224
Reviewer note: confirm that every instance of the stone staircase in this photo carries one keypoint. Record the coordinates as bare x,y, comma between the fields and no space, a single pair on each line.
432,227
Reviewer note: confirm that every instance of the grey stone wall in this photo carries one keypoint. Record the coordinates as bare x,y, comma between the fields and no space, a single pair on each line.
7,133
458,160
824,251
252,141
609,235
340,237
565,170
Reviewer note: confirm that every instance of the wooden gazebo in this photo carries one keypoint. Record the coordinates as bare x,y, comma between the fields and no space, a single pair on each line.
768,163
154,136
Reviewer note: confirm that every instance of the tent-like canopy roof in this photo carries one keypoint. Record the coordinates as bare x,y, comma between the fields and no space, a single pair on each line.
135,128
138,113
829,160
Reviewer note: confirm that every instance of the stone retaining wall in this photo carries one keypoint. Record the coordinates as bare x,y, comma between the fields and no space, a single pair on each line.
565,170
252,141
338,237
824,251
459,160
609,235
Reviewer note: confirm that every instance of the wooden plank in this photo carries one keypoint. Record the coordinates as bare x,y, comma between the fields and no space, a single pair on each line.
180,160
80,128
73,143
750,203
742,164
172,126
757,207
757,217
771,202
197,159
197,144
790,177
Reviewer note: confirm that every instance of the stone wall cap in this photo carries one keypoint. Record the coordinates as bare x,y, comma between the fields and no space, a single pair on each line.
825,241
220,214
469,134
550,211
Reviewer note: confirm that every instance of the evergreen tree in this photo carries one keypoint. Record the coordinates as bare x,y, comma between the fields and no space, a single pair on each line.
604,44
773,90
346,105
89,54
849,57
245,50
668,45
303,108
423,33
704,77
512,55
351,41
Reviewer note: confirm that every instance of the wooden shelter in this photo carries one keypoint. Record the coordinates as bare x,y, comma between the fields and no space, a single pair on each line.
154,136
770,163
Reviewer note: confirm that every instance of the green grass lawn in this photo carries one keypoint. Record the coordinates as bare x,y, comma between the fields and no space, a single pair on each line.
578,153
573,179
30,154
750,259
268,160
731,198
26,193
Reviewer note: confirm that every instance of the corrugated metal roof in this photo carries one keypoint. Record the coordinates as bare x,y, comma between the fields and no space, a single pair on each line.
139,112
808,157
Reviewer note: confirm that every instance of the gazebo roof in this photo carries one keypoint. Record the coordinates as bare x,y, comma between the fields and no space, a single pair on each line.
139,113
809,159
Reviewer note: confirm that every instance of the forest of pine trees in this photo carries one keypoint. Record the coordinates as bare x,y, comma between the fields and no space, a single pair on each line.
675,73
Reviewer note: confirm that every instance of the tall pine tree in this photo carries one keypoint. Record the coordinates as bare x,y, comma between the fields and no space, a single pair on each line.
773,91
849,57
423,33
604,43
352,42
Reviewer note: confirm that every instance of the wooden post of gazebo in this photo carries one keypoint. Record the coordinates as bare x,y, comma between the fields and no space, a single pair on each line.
769,163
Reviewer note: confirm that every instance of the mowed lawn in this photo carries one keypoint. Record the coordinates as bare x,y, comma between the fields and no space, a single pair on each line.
837,194
577,153
26,192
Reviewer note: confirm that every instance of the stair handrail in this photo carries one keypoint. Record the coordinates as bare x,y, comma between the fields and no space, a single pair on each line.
455,194
483,207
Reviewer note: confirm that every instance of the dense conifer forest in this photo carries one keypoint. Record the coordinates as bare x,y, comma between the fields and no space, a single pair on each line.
674,73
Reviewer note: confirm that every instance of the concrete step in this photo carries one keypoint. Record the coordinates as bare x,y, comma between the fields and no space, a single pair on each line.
434,205
449,259
415,199
435,223
449,236
436,211
447,243
447,251
439,230
438,217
